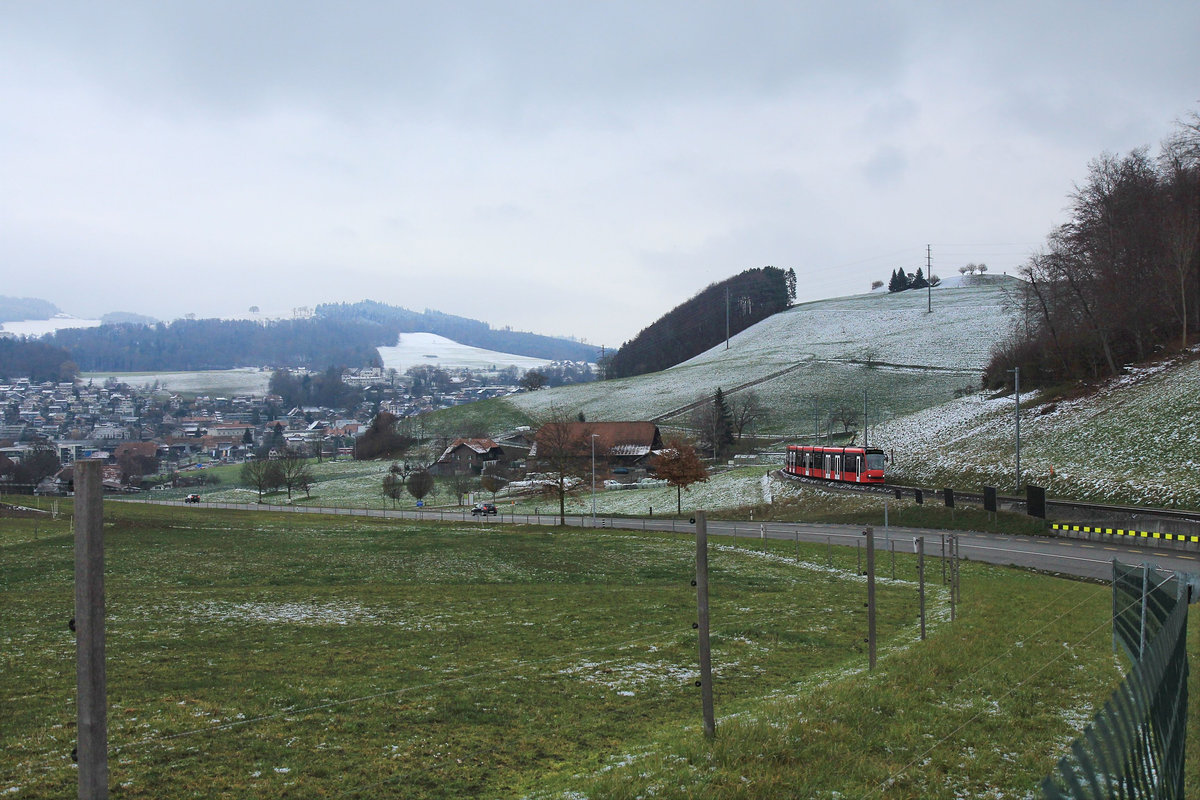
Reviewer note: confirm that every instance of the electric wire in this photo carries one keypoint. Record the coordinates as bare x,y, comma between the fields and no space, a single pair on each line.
292,711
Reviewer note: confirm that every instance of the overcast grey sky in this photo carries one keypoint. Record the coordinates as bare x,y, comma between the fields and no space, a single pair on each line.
562,167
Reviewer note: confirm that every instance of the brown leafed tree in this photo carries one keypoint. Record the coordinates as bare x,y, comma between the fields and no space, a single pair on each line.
680,466
492,483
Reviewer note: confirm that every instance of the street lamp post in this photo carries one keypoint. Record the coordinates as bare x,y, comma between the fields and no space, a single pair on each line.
594,435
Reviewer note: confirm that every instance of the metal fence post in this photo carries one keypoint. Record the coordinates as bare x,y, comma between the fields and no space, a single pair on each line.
1145,592
957,569
921,580
870,534
953,599
90,677
943,537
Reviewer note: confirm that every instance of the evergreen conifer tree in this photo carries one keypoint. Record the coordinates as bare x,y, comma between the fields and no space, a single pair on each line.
723,423
918,281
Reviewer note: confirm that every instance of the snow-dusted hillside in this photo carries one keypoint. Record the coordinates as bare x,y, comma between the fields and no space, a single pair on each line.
1134,441
415,349
40,327
828,352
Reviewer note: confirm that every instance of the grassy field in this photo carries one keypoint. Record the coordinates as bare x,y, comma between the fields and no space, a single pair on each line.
253,655
749,493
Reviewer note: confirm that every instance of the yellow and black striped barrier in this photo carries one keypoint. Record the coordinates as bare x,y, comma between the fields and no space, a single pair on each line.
1169,537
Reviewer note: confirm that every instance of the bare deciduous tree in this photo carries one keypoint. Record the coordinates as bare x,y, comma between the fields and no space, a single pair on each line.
393,486
747,411
262,475
462,483
564,449
420,483
294,472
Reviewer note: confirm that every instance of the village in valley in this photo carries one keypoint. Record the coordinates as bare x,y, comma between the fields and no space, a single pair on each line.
150,438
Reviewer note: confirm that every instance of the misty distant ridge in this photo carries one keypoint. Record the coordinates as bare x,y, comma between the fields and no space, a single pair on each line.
31,309
17,309
343,335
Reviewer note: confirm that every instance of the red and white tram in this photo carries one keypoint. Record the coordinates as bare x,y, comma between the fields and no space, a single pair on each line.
848,464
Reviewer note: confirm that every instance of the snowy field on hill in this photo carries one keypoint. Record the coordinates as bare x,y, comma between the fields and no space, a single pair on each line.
1134,441
833,350
240,381
40,327
415,349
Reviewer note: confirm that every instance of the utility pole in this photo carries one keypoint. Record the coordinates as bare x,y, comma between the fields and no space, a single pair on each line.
864,420
928,275
1017,419
726,317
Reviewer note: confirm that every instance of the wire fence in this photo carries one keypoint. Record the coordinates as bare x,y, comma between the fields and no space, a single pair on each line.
1135,746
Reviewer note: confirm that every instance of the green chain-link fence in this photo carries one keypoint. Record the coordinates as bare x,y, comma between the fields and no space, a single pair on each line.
1134,748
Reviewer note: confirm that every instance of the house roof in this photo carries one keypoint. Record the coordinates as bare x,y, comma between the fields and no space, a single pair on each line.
614,438
480,446
144,449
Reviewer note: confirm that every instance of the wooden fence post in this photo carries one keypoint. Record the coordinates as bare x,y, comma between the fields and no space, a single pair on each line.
705,682
90,678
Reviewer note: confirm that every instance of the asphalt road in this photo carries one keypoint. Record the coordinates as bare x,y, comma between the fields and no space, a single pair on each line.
1085,559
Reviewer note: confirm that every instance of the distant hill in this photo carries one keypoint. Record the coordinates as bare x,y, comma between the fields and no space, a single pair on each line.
15,309
122,317
460,329
728,307
337,335
204,344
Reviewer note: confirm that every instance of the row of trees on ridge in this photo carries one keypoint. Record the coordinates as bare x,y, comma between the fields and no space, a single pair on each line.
1120,280
700,323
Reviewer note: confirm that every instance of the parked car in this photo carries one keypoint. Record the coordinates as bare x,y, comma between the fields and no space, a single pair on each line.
483,508
192,498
